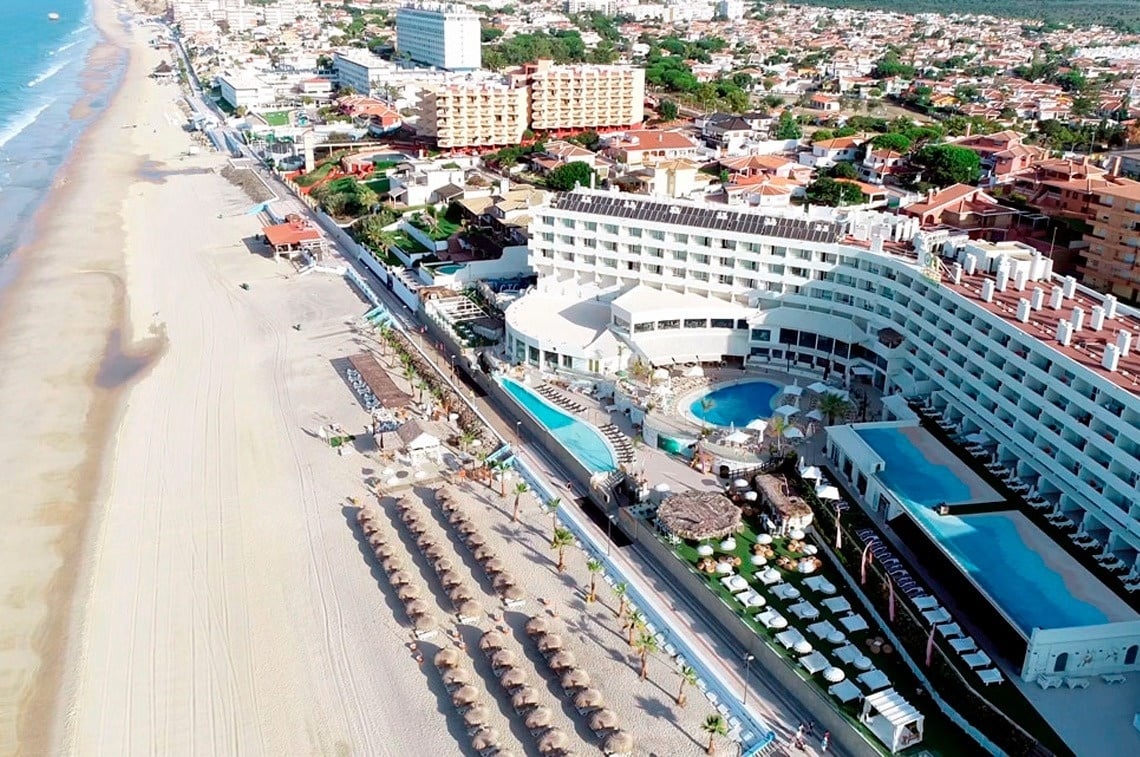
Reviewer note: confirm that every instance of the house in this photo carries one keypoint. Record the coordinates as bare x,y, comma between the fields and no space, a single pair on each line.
558,153
666,178
420,439
828,152
963,207
873,196
877,165
164,72
767,192
316,86
426,183
826,103
367,112
742,169
1002,153
725,130
640,146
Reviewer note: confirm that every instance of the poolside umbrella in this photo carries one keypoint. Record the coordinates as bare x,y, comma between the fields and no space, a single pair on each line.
751,496
553,741
399,577
408,592
771,574
503,581
828,492
538,718
797,534
787,410
778,622
513,678
537,626
802,647
513,594
793,390
757,424
575,679
417,607
457,677
460,594
764,539
443,563
485,740
476,716
604,720
475,540
448,657
470,609
740,483
618,742
494,566
738,437
484,553
562,661
550,642
464,695
814,415
525,698
833,675
588,699
793,433
504,658
492,640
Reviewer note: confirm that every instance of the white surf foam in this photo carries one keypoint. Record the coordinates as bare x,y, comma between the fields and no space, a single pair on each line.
50,72
22,121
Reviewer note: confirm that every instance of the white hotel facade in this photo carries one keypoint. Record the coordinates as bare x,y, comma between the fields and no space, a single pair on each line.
985,332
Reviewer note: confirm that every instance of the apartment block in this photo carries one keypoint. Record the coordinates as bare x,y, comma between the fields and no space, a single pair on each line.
487,114
1111,261
443,35
576,97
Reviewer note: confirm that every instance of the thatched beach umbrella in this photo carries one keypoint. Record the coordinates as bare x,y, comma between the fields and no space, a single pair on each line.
417,607
405,503
470,609
466,528
538,718
562,661
455,517
448,657
575,679
504,658
618,743
442,563
699,515
503,580
408,592
376,539
464,695
370,527
384,551
436,552
475,540
425,623
549,642
512,594
460,594
446,493
457,677
486,740
390,564
476,716
399,577
525,698
604,720
553,741
537,626
588,699
365,514
494,566
492,640
513,678
450,578
483,553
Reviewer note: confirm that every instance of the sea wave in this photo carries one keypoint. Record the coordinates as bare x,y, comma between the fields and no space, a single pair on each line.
10,131
65,48
50,72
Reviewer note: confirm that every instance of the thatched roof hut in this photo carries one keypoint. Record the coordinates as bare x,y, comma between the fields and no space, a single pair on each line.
788,510
699,515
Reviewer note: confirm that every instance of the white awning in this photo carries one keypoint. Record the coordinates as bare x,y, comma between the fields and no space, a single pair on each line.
829,493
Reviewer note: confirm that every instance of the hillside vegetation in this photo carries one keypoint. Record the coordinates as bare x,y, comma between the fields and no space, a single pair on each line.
1120,14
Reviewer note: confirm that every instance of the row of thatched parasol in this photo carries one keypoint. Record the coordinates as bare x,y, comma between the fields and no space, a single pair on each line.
465,698
460,594
387,552
494,567
576,683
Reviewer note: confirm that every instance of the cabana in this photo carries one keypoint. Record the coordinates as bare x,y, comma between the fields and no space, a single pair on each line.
699,515
295,236
788,511
892,719
419,441
844,691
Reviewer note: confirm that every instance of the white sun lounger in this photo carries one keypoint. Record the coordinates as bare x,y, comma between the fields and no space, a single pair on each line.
926,603
848,653
844,691
934,617
853,623
950,630
977,660
836,604
963,645
990,675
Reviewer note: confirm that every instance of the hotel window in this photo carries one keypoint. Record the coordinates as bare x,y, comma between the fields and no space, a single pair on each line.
776,270
639,328
655,252
807,339
670,324
701,259
761,335
681,238
749,265
634,249
568,223
700,275
591,243
552,358
726,262
658,235
533,352
696,323
789,336
590,226
567,361
680,255
588,259
609,228
701,241
759,352
722,323
654,269
824,344
634,231
725,278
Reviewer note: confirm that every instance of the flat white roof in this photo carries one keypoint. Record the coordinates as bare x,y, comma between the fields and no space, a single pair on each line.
554,320
645,300
890,704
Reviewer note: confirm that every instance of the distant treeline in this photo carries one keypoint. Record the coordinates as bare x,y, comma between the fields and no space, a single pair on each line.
1119,14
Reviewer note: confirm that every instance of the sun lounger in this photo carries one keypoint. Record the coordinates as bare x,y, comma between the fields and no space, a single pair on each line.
844,691
934,617
814,662
853,623
836,604
989,676
977,659
874,680
963,645
926,603
848,653
950,630
1077,683
1049,682
1113,678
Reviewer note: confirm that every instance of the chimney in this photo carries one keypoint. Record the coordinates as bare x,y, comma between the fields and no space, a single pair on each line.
1096,323
1020,279
1078,319
1023,310
1111,358
971,264
969,128
1064,333
1038,298
988,290
1110,306
1002,278
1070,285
1056,298
1123,342
956,272
504,186
1115,166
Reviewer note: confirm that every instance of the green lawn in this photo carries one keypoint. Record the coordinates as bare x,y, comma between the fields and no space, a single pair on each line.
317,175
444,229
941,736
276,117
408,244
379,186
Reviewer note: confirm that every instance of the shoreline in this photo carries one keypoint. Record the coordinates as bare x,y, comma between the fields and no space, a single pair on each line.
61,515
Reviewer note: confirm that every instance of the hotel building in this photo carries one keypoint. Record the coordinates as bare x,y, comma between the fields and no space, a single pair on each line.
473,114
444,35
578,97
1111,261
1043,369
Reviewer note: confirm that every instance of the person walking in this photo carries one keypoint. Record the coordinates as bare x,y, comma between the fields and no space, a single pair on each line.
825,742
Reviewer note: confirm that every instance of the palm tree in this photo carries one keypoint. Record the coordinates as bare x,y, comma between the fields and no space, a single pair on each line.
833,406
645,645
552,508
620,590
688,676
561,540
520,489
501,467
466,438
714,726
778,425
635,623
706,405
593,565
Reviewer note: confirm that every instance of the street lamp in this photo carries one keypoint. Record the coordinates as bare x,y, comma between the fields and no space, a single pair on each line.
748,658
518,434
453,367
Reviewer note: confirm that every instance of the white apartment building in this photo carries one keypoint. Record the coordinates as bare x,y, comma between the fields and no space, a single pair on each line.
359,69
583,96
473,114
730,10
243,90
1042,369
286,12
446,36
605,7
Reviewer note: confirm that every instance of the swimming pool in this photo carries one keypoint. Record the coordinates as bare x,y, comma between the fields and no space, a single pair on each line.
1033,591
736,404
450,268
910,474
582,440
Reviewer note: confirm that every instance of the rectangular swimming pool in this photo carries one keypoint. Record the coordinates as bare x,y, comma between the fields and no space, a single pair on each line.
582,440
921,471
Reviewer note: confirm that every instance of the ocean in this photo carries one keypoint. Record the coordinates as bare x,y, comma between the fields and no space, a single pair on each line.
41,68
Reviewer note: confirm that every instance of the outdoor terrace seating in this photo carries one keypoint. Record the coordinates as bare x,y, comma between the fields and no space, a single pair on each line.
560,399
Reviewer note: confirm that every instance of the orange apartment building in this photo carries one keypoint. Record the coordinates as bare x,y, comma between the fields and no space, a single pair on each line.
1114,240
574,98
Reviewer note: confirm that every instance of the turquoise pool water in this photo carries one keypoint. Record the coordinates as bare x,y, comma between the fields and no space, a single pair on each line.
909,474
989,547
583,440
736,404
450,268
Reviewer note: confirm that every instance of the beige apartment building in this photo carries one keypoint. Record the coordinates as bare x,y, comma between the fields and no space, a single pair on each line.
579,97
1114,241
473,114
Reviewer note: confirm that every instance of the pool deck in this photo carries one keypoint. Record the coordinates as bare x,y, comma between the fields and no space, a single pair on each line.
933,450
